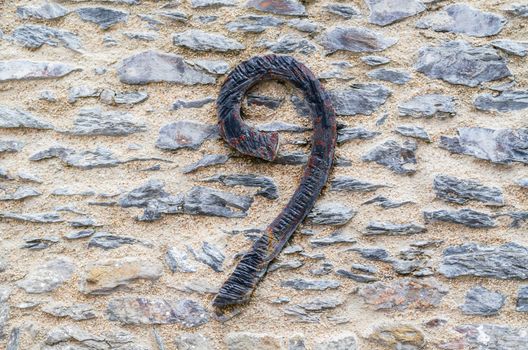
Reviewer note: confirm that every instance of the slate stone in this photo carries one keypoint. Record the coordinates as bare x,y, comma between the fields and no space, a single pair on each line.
375,60
95,121
99,158
71,336
185,134
103,17
354,39
516,9
304,284
396,76
142,36
345,11
177,260
398,158
175,16
281,126
47,275
335,238
331,213
522,182
369,269
482,301
489,336
209,255
428,106
278,7
358,277
373,253
207,201
5,293
511,47
137,311
463,19
414,131
522,299
502,146
190,341
79,234
30,70
348,183
385,12
179,104
398,336
359,99
343,341
212,66
21,192
108,241
356,133
199,40
13,342
506,101
266,101
253,23
267,186
211,3
206,161
458,62
46,11
39,243
391,229
34,36
77,312
18,118
508,261
466,217
154,67
404,294
304,25
82,91
386,203
287,44
285,265
39,218
47,95
460,191
109,275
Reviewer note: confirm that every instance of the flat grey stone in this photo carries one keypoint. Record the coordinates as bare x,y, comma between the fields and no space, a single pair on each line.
209,255
206,161
354,39
199,40
516,9
34,36
18,118
458,62
106,241
482,301
79,234
13,341
522,299
508,261
348,183
358,277
103,17
391,229
522,182
130,98
463,19
154,67
248,340
334,238
142,36
137,311
304,284
355,133
396,76
375,60
30,70
5,293
466,217
185,134
359,99
38,218
343,341
285,265
10,146
281,126
94,121
71,337
179,104
385,12
212,3
278,7
428,106
253,23
207,201
345,11
47,11
517,48
413,131
98,158
373,253
21,192
501,146
212,66
287,44
401,159
318,304
192,341
506,101
177,260
304,25
175,16
48,95
386,203
48,275
460,191
267,186
82,91
492,336
268,102
331,213
77,312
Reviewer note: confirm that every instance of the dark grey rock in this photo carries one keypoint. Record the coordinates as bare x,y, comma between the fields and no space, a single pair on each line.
266,101
94,121
99,158
38,218
266,185
501,146
522,299
179,104
66,191
21,192
375,60
466,217
428,106
185,134
253,23
211,3
153,67
373,253
17,118
396,76
492,336
339,70
463,19
177,260
107,241
25,176
517,9
48,95
358,277
207,201
482,301
175,16
287,44
212,66
79,234
39,243
129,98
386,203
348,183
460,191
517,48
285,265
34,36
83,222
5,293
47,275
356,133
319,304
522,182
508,261
210,255
401,159
4,175
322,270
31,70
359,99
142,36
345,11
388,228
77,312
303,284
335,238
206,161
199,40
278,7
506,101
82,91
331,213
190,341
369,269
13,342
281,126
385,12
458,62
46,11
414,131
304,25
354,39
130,310
103,17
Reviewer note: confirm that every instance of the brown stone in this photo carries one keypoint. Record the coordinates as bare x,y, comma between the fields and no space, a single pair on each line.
398,336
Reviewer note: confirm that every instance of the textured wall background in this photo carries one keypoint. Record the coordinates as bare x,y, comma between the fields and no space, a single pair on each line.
110,238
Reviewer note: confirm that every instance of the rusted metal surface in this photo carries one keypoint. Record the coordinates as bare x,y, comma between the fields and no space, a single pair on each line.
247,140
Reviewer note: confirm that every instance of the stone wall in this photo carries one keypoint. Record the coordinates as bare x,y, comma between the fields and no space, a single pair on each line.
122,211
